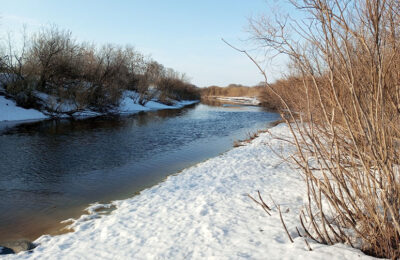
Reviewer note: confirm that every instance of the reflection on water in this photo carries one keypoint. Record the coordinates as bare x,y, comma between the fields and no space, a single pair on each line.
51,170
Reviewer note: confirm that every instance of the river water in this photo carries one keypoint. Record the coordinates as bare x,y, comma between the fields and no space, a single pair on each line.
52,170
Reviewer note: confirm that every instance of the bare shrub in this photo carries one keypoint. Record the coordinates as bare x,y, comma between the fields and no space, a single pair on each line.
176,89
347,90
173,85
51,57
291,90
108,77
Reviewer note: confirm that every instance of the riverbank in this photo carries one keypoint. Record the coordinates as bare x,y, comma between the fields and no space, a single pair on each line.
73,163
202,212
243,100
9,111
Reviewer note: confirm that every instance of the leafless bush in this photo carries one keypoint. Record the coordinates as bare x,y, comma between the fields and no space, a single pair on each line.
176,89
291,90
347,90
51,57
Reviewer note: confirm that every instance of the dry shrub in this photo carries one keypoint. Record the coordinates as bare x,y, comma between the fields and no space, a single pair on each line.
346,88
177,89
286,88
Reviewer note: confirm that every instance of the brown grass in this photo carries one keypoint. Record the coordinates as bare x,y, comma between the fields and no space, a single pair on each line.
250,137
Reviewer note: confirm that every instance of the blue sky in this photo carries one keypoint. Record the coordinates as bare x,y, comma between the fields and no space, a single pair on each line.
181,34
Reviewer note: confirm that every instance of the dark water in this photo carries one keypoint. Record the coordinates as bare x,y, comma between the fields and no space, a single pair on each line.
52,170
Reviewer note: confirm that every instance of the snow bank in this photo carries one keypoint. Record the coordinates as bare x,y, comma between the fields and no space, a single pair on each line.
9,111
129,105
202,212
240,100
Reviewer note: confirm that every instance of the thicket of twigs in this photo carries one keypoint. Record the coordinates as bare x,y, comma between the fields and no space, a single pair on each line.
51,61
345,60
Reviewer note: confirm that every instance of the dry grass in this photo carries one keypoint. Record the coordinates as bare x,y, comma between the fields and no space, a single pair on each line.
250,137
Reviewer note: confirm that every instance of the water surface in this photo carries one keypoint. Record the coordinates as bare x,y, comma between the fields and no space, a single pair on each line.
52,170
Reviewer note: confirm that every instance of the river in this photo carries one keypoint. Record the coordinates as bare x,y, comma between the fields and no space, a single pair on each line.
52,170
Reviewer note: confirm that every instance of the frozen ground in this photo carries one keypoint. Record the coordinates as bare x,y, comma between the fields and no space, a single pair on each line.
201,213
9,111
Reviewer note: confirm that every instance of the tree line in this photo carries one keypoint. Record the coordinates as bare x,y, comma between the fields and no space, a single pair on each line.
51,61
232,90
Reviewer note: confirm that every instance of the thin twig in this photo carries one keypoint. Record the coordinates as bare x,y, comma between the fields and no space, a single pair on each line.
283,222
308,245
284,225
262,201
265,208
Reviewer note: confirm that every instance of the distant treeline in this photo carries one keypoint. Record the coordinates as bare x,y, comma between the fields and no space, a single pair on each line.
289,88
51,61
267,98
233,90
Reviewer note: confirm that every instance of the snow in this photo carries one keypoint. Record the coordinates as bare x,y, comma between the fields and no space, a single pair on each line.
177,104
9,111
202,212
53,102
239,100
128,105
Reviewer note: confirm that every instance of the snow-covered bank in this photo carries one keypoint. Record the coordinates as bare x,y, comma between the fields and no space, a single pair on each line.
253,101
202,212
9,111
129,104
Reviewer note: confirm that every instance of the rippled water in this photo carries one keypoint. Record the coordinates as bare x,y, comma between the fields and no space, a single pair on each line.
52,170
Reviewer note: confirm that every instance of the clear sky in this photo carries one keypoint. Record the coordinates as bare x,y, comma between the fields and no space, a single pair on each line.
182,34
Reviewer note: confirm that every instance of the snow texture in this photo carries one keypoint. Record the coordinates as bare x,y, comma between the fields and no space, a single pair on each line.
202,212
129,105
240,100
9,111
